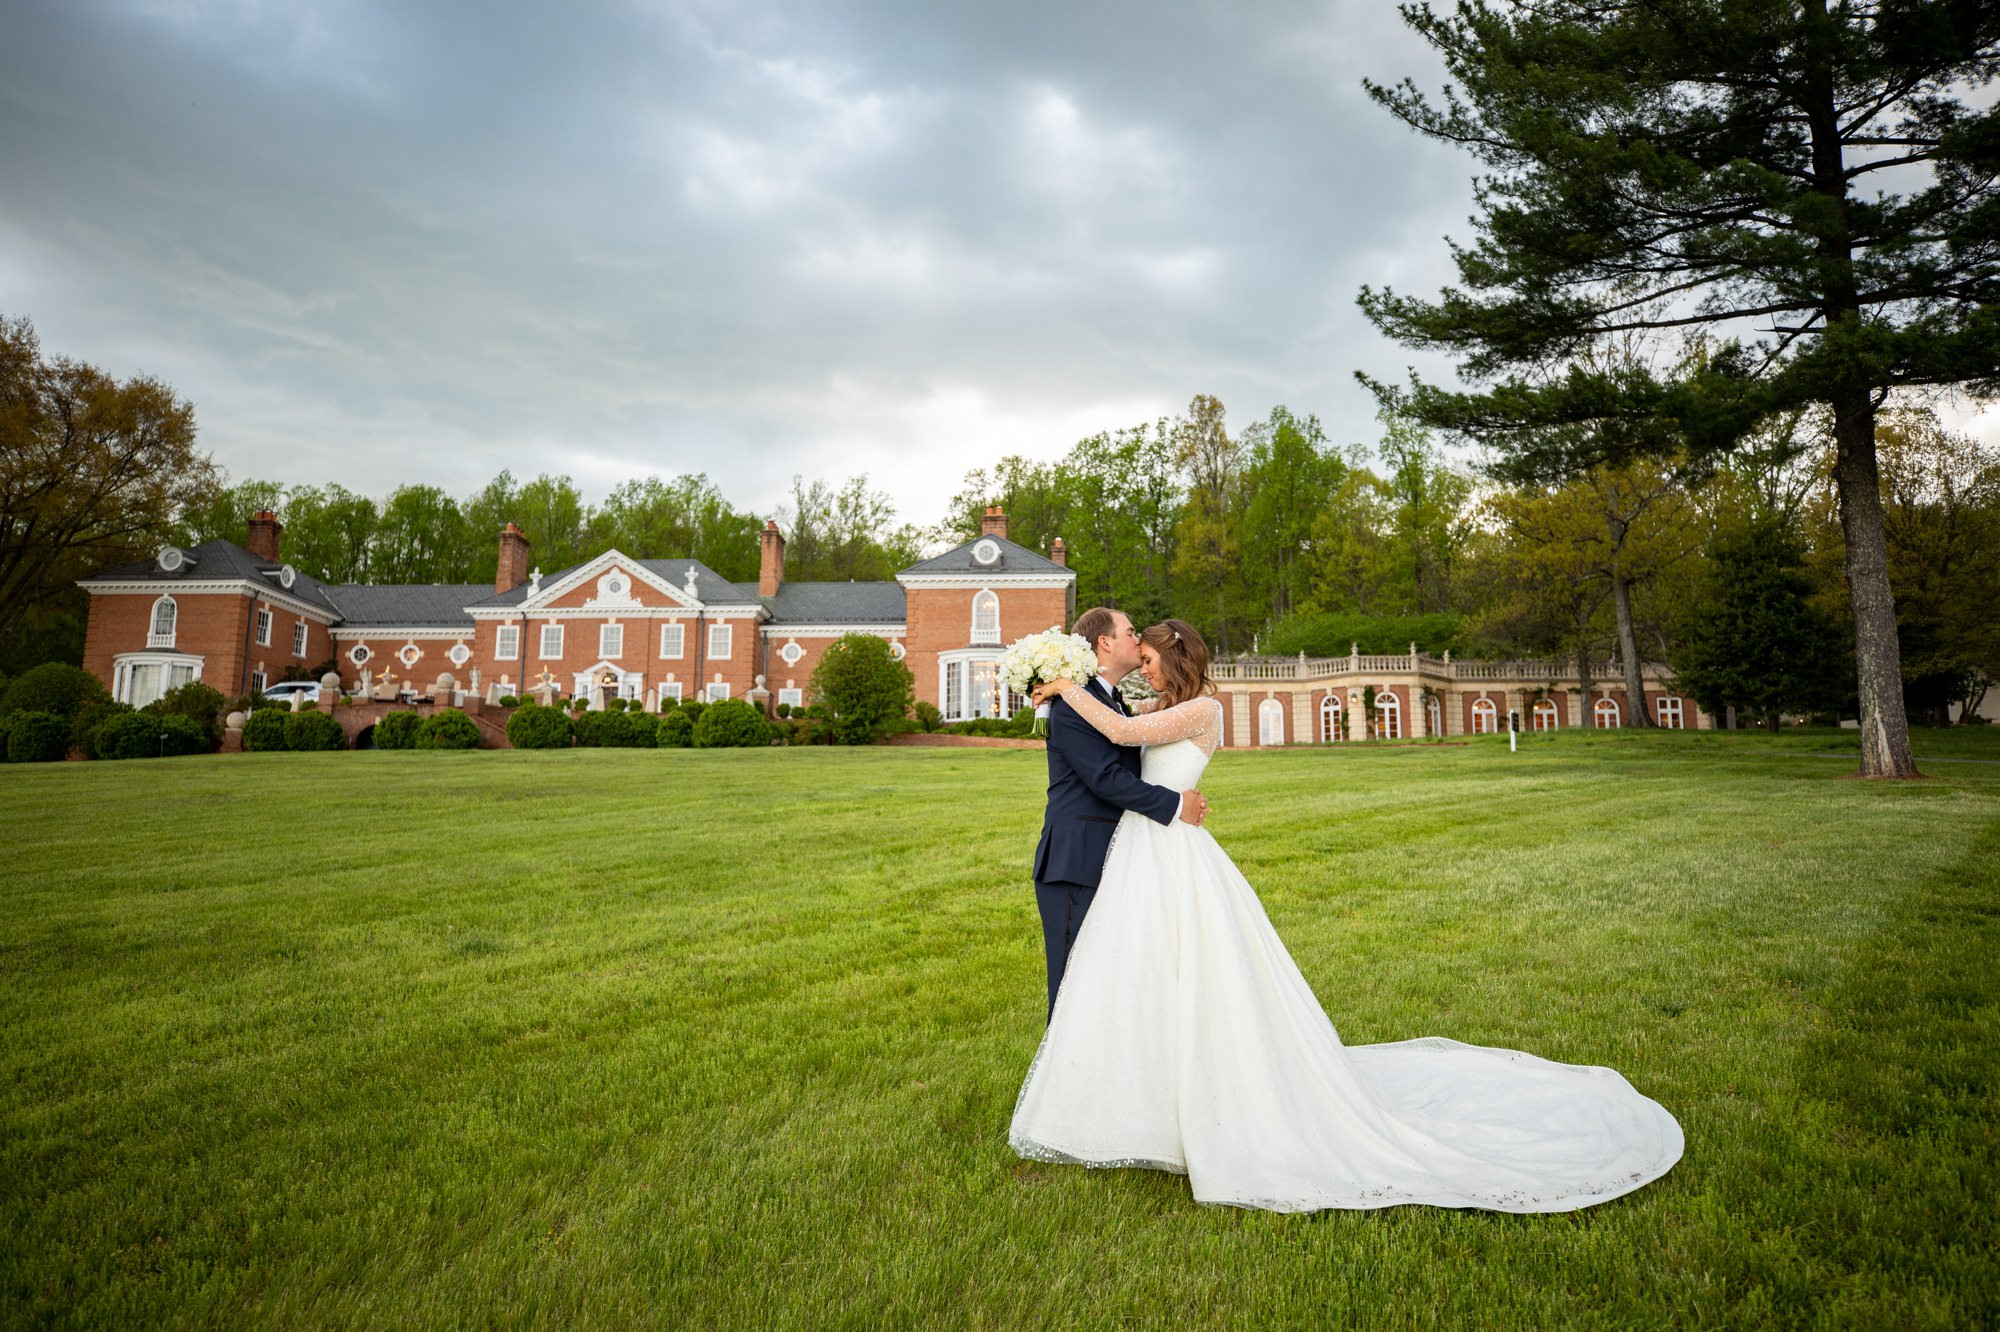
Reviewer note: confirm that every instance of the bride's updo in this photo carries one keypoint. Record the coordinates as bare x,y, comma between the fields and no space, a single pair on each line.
1183,660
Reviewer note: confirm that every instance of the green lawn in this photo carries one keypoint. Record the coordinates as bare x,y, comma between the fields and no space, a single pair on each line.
617,1038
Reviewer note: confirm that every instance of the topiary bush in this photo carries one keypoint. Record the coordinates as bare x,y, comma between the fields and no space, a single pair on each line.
135,735
676,730
604,730
534,726
508,701
864,686
398,730
199,703
53,686
693,707
90,721
731,724
645,727
37,737
264,729
310,731
448,728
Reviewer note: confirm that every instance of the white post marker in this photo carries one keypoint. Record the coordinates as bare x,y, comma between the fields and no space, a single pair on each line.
1513,731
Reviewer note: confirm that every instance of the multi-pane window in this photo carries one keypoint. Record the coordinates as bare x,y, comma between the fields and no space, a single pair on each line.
507,642
1546,716
717,692
672,638
1485,717
1670,714
299,639
165,612
1388,717
256,682
793,697
1329,719
671,689
552,644
263,628
1605,714
718,640
985,618
954,689
610,640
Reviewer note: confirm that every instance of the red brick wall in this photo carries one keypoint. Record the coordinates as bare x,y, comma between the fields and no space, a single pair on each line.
215,626
940,620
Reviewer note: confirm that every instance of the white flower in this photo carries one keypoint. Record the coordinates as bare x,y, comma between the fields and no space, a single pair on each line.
1051,655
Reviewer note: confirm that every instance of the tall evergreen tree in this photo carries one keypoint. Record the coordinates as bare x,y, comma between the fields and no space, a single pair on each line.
1673,165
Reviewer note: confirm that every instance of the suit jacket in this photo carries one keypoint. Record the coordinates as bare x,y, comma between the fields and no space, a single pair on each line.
1091,782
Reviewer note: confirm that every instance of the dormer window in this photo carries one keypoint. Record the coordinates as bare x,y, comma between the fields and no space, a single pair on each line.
165,613
986,551
985,617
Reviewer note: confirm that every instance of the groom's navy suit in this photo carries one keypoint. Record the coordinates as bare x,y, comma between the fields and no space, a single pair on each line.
1091,783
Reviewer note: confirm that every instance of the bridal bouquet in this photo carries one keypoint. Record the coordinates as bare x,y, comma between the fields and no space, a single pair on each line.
1040,658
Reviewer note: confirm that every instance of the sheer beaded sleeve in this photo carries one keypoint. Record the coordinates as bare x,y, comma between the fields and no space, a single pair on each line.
1198,719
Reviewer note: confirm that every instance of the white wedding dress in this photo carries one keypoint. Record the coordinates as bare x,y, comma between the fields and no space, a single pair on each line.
1185,1039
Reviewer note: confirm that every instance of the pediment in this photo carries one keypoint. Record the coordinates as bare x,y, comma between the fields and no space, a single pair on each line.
611,582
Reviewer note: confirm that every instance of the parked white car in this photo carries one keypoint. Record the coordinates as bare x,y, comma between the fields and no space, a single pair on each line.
307,690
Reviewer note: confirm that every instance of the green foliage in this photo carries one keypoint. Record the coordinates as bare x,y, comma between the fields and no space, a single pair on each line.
838,535
693,708
928,715
55,687
448,728
1755,640
863,687
534,726
1335,634
731,724
199,703
313,730
508,701
616,729
676,729
645,729
398,730
35,737
264,729
90,719
135,735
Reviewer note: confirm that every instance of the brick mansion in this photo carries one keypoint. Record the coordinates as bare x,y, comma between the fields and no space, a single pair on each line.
237,617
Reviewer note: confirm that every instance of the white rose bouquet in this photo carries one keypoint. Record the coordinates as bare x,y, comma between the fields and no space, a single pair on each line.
1039,658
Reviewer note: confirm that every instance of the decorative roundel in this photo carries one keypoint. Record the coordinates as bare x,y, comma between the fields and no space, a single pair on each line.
170,559
986,552
410,654
615,585
287,576
360,654
459,654
896,651
790,654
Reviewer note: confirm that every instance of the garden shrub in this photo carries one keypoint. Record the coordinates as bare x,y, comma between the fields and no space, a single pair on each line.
928,716
398,730
264,729
614,730
693,708
314,730
199,703
534,726
53,686
645,729
90,720
508,701
136,735
448,728
37,737
731,724
676,730
864,687
784,730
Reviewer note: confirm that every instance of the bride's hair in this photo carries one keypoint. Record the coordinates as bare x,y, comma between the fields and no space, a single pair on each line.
1183,660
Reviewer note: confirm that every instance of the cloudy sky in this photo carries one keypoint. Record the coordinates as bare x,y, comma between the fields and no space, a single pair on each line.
402,241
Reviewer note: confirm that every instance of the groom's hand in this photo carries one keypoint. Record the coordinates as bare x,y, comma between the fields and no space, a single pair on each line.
1194,807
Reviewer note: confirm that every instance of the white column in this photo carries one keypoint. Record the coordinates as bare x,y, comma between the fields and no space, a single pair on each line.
1239,721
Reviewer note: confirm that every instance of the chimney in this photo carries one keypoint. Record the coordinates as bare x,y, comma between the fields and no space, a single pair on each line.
513,569
994,524
1059,553
771,568
265,533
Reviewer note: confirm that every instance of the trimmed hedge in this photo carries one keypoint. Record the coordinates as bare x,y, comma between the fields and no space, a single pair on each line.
91,721
53,686
534,726
731,724
199,703
448,728
310,731
37,737
398,730
676,730
136,735
264,729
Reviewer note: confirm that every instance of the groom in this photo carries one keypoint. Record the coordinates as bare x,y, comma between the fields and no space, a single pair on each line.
1091,781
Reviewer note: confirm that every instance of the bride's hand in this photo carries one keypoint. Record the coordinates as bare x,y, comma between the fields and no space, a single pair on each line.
1044,692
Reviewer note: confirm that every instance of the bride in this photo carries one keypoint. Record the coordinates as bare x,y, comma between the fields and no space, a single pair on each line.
1185,1039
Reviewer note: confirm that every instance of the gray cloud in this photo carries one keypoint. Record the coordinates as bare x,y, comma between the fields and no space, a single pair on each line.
384,243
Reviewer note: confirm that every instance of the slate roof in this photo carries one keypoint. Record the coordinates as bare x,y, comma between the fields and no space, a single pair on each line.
1014,559
222,559
408,605
837,603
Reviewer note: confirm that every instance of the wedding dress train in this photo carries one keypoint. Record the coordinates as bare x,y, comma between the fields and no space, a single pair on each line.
1184,1038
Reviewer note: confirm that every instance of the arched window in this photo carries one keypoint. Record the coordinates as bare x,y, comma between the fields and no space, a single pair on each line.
1605,715
1670,713
1270,722
1546,716
1433,715
1485,717
1388,716
165,613
1330,719
985,617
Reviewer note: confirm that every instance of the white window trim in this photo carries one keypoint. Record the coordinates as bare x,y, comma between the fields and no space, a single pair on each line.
299,634
257,682
671,689
1598,710
965,659
123,664
984,637
728,642
264,618
1484,710
791,653
1546,708
794,697
156,639
459,654
1388,716
545,654
679,632
716,692
1270,722
1332,718
507,642
605,648
361,654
